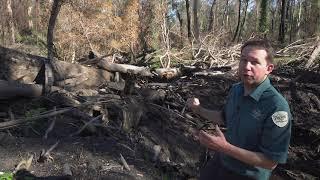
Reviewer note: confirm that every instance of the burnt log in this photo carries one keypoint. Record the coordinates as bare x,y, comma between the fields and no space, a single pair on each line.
10,90
22,67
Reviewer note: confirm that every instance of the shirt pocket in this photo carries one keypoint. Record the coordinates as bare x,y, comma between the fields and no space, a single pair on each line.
252,129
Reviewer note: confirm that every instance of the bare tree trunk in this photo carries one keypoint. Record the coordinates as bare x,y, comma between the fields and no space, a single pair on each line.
306,16
257,14
290,12
36,14
225,12
174,8
211,16
282,22
244,19
48,69
188,18
52,22
195,19
238,24
263,16
273,18
315,18
30,14
11,23
299,19
166,39
33,15
2,34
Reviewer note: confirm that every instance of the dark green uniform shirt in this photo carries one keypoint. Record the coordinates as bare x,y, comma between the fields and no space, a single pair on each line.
259,122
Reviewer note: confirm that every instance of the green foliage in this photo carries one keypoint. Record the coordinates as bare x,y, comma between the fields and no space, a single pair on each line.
155,63
35,39
165,176
6,176
35,112
155,42
168,176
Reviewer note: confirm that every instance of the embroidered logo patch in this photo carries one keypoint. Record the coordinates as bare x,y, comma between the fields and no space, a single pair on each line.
280,118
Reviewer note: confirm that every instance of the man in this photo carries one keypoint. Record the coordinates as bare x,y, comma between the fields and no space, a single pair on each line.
257,118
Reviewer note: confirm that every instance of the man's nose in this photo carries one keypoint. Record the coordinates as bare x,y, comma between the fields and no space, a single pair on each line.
247,65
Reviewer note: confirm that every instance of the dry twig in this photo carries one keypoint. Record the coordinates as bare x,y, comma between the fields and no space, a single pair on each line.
85,125
50,128
45,155
13,123
24,164
124,162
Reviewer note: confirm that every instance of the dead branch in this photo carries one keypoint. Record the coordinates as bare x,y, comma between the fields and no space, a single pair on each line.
24,164
124,162
14,123
45,155
50,128
85,125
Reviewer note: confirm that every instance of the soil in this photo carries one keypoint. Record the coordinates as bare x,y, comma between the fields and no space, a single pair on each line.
95,153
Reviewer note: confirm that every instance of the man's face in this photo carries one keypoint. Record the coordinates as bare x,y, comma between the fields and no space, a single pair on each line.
253,66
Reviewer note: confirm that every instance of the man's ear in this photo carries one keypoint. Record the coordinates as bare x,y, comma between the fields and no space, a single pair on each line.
270,68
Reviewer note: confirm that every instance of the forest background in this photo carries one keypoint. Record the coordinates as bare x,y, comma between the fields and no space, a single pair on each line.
176,31
160,34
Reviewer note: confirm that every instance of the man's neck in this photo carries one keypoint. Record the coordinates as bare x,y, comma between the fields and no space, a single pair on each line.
249,88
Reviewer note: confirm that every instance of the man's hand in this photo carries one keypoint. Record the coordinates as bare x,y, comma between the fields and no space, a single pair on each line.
215,142
219,143
212,115
193,104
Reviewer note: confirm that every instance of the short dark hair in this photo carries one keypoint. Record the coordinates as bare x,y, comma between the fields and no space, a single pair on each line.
261,44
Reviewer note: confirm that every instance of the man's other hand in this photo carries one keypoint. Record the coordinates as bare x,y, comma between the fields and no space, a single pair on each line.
215,142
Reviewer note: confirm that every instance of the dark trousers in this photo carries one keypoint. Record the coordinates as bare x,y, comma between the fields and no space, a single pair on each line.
214,170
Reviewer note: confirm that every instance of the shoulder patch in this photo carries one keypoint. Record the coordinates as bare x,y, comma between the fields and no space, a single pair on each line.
280,118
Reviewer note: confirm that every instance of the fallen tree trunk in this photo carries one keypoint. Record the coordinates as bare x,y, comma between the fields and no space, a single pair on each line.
10,90
314,55
165,73
22,67
125,68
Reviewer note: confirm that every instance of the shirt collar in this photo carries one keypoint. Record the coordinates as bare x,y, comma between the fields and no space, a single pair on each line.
256,94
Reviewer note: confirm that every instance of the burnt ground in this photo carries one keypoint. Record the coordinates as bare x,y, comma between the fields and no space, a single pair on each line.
162,124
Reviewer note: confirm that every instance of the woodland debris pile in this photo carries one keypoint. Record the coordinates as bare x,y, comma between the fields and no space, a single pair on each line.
146,118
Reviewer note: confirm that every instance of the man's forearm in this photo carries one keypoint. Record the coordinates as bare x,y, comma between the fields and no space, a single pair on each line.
250,157
215,116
